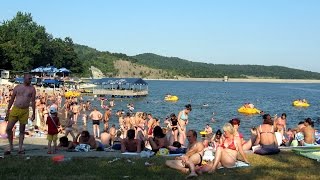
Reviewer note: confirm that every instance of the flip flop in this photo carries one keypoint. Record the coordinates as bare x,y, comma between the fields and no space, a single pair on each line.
7,153
21,152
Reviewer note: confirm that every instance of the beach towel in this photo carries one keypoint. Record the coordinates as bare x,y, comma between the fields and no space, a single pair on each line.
306,149
238,164
131,153
172,155
82,148
311,155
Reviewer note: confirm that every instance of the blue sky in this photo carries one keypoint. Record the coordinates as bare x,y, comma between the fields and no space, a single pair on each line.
264,32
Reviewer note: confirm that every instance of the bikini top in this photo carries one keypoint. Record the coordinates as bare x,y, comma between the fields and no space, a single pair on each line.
272,130
231,146
183,116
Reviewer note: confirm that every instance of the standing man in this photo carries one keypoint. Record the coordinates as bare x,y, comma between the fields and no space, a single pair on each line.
22,95
107,116
96,117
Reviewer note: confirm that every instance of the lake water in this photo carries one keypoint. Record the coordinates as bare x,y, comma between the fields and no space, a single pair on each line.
223,99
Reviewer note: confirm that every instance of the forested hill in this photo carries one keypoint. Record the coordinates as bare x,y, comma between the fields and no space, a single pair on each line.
187,68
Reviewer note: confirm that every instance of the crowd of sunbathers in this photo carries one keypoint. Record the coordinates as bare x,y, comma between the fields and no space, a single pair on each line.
138,131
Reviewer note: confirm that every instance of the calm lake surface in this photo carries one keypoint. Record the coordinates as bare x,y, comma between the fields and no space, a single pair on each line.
223,99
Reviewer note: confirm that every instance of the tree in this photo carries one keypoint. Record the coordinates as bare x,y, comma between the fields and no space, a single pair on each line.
21,40
25,45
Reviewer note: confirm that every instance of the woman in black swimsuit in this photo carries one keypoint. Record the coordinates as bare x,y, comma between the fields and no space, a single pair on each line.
174,126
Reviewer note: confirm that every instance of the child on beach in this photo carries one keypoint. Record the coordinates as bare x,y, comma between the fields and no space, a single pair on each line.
53,130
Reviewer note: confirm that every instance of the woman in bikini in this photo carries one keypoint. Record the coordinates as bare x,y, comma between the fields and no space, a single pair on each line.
183,121
226,154
246,145
266,137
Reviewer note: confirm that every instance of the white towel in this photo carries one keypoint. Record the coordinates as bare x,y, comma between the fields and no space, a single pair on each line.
239,164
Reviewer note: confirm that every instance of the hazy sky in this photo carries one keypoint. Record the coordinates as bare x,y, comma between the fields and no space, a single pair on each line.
264,32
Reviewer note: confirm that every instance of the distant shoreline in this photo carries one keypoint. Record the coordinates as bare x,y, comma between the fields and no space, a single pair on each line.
242,80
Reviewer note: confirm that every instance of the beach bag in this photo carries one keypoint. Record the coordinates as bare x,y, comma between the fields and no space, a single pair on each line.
82,148
267,151
163,152
299,136
294,143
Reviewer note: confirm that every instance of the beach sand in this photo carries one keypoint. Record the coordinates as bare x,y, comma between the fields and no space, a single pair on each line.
37,146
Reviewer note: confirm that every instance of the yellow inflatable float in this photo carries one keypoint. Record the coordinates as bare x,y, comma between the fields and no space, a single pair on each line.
245,110
171,98
71,94
300,103
203,133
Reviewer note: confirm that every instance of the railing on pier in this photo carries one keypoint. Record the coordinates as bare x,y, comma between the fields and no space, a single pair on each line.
116,92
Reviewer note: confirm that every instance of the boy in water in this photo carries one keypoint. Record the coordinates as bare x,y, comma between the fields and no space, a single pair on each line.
53,130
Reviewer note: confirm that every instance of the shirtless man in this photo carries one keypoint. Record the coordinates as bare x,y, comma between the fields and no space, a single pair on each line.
192,158
120,120
113,132
76,111
151,124
130,144
107,116
96,117
208,129
86,138
308,133
22,95
105,138
127,124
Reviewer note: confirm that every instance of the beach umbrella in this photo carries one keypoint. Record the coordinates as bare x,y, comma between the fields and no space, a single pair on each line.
38,69
64,71
50,69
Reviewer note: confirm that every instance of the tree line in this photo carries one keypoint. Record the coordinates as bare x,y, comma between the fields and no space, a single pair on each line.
25,45
186,68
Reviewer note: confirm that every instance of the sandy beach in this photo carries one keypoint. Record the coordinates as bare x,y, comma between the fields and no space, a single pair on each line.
37,146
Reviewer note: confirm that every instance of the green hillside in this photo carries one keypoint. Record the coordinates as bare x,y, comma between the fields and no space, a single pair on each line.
92,57
187,68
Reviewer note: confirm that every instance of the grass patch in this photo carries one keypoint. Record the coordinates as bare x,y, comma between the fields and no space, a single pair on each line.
286,165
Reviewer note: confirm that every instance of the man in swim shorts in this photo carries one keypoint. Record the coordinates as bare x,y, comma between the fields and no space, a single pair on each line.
192,158
96,117
22,95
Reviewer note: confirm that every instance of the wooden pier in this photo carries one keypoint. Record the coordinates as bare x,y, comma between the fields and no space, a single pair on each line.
120,93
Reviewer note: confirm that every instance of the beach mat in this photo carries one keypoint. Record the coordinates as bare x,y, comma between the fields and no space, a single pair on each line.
131,153
306,149
311,155
137,154
239,164
172,155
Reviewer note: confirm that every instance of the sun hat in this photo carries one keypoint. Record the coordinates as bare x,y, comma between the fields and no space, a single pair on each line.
53,110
